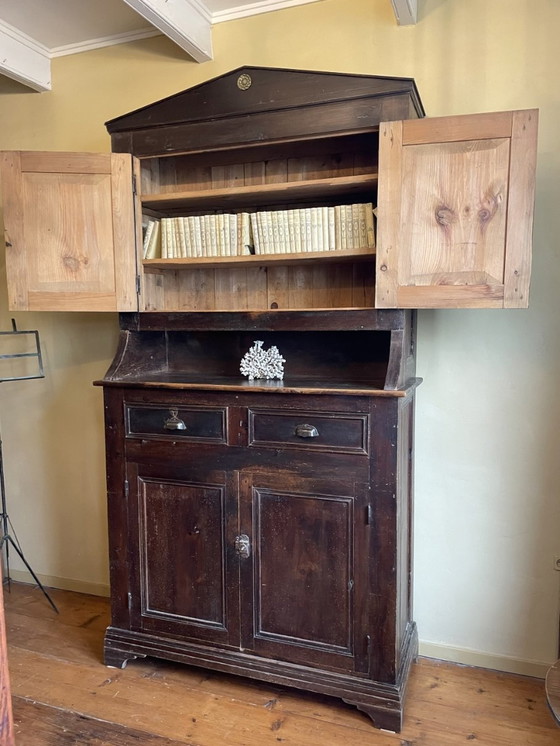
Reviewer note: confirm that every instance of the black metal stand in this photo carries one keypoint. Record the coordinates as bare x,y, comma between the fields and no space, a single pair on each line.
6,540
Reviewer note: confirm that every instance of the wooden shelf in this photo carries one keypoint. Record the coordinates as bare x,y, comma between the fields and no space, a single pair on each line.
262,194
246,260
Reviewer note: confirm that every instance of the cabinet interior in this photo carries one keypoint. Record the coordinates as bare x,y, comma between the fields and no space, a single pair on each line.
325,171
343,360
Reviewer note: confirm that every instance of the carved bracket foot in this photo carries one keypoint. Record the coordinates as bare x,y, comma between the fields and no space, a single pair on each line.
381,718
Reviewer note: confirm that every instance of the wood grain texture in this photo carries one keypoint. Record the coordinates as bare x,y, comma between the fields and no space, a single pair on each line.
64,695
517,271
6,720
456,199
388,208
70,230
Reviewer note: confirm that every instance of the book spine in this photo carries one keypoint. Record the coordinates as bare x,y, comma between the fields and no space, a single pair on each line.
233,231
349,226
370,228
154,247
275,247
337,228
331,245
325,226
147,236
197,230
316,229
247,244
306,229
357,227
256,231
297,231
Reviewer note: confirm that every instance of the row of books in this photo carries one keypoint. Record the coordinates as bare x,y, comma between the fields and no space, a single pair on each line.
266,232
313,229
198,236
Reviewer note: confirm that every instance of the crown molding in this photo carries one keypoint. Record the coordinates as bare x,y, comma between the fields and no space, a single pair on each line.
105,41
253,9
24,59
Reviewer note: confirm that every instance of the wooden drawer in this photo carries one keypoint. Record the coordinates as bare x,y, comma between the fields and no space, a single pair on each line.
318,431
200,424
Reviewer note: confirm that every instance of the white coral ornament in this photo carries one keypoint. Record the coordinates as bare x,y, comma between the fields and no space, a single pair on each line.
259,363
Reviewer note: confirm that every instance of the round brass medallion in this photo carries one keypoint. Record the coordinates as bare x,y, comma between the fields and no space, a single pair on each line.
244,81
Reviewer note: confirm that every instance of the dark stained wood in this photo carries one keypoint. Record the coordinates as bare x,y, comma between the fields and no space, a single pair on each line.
270,89
335,319
238,543
321,586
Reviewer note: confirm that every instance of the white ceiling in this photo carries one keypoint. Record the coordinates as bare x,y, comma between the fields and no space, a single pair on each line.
32,32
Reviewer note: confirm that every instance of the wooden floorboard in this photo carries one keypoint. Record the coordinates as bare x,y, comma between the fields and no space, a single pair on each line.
63,694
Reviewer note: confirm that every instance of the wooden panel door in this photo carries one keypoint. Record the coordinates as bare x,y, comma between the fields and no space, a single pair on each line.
70,231
303,587
184,569
455,211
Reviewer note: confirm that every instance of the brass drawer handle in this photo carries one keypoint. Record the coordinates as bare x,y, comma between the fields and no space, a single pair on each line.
307,431
243,546
174,422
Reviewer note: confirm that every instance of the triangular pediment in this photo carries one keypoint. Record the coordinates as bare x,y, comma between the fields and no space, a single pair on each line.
248,90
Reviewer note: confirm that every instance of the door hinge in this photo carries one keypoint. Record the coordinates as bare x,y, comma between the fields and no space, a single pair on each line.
134,185
368,647
369,515
129,601
126,488
137,284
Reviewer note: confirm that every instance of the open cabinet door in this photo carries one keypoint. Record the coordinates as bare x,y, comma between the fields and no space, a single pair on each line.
70,231
455,211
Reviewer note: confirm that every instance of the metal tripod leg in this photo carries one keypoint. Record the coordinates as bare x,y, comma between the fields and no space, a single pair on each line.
7,540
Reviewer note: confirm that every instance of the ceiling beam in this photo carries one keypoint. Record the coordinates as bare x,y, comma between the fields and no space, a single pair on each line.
406,11
186,22
23,59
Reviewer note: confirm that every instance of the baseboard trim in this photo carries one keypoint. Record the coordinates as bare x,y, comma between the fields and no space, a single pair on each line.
468,657
65,584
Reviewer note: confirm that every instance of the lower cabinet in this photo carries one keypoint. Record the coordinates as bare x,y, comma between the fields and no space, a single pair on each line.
273,544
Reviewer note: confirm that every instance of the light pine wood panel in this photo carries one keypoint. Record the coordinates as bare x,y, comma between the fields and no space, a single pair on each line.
70,231
455,211
61,688
257,287
517,273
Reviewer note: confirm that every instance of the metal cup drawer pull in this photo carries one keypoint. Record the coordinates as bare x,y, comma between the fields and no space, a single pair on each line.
307,431
174,422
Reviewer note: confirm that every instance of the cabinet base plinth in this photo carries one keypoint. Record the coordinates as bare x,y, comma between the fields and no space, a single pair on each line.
382,702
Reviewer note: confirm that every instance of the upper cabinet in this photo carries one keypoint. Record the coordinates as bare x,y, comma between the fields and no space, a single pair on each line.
455,203
69,226
262,182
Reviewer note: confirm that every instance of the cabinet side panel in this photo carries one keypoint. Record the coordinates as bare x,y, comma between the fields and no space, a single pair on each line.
117,509
404,520
16,265
389,206
384,548
520,212
126,233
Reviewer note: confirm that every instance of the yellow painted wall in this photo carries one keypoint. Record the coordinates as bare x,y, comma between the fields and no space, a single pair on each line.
488,445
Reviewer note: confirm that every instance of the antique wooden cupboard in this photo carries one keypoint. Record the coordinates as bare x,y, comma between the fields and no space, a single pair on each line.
264,528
